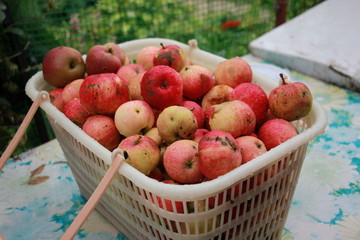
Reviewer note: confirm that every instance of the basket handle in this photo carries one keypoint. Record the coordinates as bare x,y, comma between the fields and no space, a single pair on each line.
118,157
40,98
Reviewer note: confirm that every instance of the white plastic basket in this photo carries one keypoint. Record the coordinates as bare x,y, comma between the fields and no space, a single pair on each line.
241,209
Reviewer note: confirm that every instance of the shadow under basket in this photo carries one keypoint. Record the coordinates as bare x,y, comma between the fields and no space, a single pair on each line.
250,202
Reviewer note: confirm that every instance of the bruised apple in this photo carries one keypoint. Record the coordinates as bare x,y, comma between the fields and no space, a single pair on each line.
291,100
161,87
143,152
171,55
175,123
103,93
219,154
216,95
197,80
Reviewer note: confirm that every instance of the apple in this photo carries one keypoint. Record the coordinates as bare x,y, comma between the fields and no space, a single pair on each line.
254,96
146,55
62,65
135,88
154,134
175,123
157,174
128,72
290,101
235,117
102,129
216,95
161,87
103,93
134,117
106,58
197,81
76,112
199,134
196,109
232,72
170,55
56,98
143,152
219,154
250,147
181,162
71,90
276,131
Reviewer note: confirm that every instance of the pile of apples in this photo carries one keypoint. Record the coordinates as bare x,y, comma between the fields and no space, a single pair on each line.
179,122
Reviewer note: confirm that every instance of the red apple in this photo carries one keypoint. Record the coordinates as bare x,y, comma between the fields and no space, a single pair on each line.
170,55
235,117
250,147
134,117
290,101
161,87
102,129
128,72
196,110
143,152
56,98
76,112
197,80
62,65
216,95
107,58
254,96
199,134
181,162
276,131
103,93
175,123
219,154
232,72
146,55
71,90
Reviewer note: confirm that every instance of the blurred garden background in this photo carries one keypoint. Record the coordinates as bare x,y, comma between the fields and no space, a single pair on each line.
29,28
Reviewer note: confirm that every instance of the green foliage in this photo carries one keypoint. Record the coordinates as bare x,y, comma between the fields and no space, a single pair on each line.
40,25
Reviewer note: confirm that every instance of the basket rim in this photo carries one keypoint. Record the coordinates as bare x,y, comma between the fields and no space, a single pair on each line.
187,191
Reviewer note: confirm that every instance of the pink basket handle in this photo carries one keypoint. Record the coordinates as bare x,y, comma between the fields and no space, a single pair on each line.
41,97
118,158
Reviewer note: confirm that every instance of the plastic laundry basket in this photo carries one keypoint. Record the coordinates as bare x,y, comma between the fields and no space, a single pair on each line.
250,202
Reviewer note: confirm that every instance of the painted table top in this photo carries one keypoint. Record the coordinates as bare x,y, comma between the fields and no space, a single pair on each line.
39,197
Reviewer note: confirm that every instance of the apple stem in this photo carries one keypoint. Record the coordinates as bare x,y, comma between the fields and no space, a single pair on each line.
284,79
162,45
138,139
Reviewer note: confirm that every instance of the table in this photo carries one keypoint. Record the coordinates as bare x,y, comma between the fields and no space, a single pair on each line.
39,197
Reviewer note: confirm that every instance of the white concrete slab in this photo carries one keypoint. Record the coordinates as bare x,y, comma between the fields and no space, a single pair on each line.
323,42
